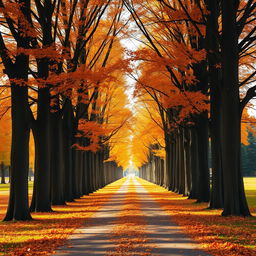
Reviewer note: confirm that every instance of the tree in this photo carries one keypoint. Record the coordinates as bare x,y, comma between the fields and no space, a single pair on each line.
177,47
16,68
51,51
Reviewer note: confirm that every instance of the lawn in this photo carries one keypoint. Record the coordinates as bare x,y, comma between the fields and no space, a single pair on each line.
249,182
250,189
5,187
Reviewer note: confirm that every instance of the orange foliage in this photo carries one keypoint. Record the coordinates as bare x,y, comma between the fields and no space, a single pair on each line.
247,124
5,126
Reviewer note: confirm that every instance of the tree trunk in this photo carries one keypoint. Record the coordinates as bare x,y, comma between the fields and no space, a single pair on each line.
68,121
182,177
234,195
187,156
167,170
203,146
18,208
41,200
194,165
217,182
57,168
2,173
176,171
212,45
85,190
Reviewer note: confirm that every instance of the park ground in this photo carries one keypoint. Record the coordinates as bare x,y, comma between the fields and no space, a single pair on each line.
229,236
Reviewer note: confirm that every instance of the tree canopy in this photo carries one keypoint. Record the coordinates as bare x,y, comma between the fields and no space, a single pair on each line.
81,106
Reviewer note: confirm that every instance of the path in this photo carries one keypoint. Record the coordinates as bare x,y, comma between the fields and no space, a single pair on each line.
162,237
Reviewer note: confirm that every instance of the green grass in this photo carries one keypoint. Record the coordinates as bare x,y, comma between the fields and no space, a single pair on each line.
6,187
249,182
250,190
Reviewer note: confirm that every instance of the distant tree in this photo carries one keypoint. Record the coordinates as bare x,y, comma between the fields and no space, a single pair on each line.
248,154
2,169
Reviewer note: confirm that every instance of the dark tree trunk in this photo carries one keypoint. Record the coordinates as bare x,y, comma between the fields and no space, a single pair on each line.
162,171
68,121
101,167
166,178
74,170
94,174
79,172
212,45
2,173
176,171
76,164
96,170
187,156
173,163
182,177
57,168
85,190
9,173
89,173
18,208
41,200
217,182
203,145
234,195
194,165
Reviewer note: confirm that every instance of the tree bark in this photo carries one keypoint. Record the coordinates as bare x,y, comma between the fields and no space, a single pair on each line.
213,53
234,196
41,200
194,165
2,173
56,151
18,208
203,146
68,122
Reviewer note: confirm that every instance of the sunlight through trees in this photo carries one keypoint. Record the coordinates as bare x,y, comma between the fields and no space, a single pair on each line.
68,108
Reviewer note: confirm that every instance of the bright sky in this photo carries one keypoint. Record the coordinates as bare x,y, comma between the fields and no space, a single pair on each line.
131,45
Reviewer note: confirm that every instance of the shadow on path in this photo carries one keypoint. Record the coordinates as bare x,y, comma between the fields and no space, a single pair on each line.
165,237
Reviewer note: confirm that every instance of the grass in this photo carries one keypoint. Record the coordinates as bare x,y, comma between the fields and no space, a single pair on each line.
249,182
250,190
6,187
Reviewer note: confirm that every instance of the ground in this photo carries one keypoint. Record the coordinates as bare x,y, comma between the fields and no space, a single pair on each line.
131,217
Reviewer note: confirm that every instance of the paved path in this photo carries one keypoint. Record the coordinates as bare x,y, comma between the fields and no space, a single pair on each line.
93,238
165,237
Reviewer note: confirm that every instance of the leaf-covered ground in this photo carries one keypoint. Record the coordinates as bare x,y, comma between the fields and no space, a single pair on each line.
130,234
220,236
49,230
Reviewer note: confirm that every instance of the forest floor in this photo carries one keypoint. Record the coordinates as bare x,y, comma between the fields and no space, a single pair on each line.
131,217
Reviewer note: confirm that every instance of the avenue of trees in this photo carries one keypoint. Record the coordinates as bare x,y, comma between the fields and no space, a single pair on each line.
63,77
198,72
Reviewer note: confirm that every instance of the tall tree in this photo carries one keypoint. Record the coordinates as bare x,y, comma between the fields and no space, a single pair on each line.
16,68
